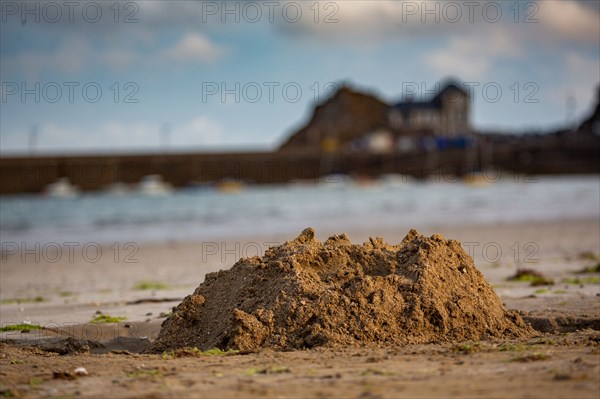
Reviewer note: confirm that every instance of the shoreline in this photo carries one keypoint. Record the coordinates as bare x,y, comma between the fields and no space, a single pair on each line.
184,217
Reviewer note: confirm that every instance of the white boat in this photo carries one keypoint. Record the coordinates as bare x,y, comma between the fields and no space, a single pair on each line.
154,185
336,180
396,180
62,188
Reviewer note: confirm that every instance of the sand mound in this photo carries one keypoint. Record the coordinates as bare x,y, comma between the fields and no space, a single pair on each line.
305,294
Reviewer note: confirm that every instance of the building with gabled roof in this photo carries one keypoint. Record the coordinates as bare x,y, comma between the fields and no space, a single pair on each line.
445,115
357,121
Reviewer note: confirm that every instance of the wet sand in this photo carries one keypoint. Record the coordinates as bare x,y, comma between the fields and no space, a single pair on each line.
63,295
549,367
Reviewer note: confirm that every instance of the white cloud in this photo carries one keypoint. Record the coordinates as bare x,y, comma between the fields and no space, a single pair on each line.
75,55
367,21
362,20
570,20
471,57
194,47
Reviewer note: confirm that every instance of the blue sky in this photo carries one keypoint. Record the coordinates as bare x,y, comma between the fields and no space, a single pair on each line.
172,59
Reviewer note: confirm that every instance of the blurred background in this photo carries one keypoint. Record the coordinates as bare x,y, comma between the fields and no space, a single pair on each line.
154,121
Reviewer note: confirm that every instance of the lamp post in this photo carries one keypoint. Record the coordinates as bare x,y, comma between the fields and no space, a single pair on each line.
165,136
571,105
33,139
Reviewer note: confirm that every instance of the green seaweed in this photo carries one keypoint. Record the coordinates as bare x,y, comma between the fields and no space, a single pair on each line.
10,301
589,255
267,370
510,347
591,269
21,327
104,318
467,347
150,285
34,383
582,280
531,276
188,352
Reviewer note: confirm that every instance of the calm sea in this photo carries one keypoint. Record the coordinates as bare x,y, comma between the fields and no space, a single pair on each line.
269,210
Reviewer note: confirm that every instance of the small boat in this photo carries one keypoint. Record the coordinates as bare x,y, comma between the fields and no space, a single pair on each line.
154,185
476,179
62,188
396,180
336,180
230,186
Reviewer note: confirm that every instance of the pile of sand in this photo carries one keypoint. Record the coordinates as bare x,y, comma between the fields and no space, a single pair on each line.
305,294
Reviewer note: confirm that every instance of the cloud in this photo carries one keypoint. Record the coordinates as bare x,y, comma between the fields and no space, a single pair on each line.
194,47
471,57
69,57
368,21
82,44
200,131
75,55
126,35
570,21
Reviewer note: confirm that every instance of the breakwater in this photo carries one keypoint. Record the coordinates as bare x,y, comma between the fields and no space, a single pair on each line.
577,155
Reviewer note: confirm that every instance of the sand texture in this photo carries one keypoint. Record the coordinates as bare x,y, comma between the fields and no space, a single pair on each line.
305,294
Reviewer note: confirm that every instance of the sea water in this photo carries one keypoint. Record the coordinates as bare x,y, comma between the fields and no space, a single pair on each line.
334,205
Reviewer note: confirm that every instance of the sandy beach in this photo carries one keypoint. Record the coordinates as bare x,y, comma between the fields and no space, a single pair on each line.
320,199
355,199
63,291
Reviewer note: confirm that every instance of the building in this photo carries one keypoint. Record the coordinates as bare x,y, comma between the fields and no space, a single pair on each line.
446,115
354,121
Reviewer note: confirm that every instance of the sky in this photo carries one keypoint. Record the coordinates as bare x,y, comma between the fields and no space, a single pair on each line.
148,76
